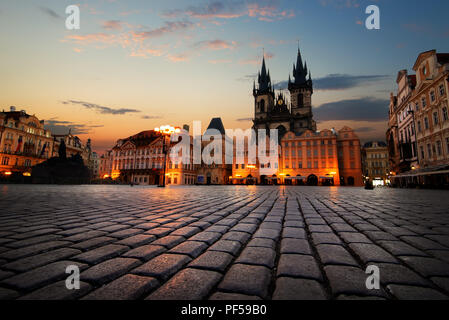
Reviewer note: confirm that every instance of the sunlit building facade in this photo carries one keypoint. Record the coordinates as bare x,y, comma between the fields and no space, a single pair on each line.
23,142
376,167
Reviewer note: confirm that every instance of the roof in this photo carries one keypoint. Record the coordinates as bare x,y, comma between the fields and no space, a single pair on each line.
443,58
371,143
143,138
217,124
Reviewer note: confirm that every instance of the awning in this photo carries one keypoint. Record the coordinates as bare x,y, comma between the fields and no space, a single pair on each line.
422,174
326,178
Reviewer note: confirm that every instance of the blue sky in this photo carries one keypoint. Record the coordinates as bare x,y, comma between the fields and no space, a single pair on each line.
135,65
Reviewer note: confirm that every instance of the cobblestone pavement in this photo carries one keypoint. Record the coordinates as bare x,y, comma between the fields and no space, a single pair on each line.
238,243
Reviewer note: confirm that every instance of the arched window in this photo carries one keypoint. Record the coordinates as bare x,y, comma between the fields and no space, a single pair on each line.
300,100
262,105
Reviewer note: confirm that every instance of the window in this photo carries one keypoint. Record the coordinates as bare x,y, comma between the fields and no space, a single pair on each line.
426,123
417,106
439,150
442,90
309,164
419,126
429,150
423,155
424,102
432,96
435,118
300,164
315,164
445,114
5,161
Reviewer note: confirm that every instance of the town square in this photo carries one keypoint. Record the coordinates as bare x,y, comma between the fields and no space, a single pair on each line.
254,151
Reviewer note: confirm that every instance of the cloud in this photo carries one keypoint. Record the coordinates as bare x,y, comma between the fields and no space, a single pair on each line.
178,57
340,81
257,60
51,13
64,127
113,25
364,109
265,10
216,45
168,27
151,117
341,3
249,77
101,109
220,61
244,119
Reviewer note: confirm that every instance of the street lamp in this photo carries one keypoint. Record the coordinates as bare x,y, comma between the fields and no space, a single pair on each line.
166,132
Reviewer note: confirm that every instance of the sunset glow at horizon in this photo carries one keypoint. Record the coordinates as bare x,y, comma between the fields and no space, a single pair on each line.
135,65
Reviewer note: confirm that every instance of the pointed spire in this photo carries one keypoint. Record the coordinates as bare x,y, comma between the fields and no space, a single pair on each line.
300,71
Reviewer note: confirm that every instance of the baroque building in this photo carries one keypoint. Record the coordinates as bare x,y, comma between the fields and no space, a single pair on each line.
274,112
418,134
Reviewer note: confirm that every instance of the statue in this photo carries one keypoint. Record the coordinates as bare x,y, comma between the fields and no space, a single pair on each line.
62,150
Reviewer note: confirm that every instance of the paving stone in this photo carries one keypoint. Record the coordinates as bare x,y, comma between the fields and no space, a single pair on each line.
298,289
208,237
41,276
248,280
26,264
191,248
267,233
320,228
241,237
7,294
137,240
335,255
295,246
93,243
221,296
232,247
443,283
186,232
82,236
423,243
101,254
351,237
163,266
372,253
325,238
5,274
31,241
159,232
128,287
188,284
58,291
257,256
298,266
125,233
33,249
399,248
428,267
212,260
349,281
262,242
108,270
415,293
169,241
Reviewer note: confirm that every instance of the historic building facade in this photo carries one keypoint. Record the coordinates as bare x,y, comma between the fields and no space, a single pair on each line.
376,167
23,142
274,112
306,156
419,151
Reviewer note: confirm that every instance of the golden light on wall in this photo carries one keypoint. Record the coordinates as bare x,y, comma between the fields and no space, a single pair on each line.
168,129
106,176
27,174
8,173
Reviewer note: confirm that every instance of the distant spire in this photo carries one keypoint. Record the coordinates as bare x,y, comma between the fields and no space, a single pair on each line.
264,78
299,71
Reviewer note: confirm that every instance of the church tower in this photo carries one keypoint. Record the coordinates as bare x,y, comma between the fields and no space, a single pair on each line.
263,98
301,90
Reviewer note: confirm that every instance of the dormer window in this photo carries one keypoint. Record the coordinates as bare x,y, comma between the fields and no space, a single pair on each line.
441,90
424,71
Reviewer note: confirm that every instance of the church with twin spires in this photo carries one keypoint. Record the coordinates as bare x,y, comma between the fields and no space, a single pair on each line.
272,111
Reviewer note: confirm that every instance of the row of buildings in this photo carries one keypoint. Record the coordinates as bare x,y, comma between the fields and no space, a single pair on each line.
418,133
24,143
306,156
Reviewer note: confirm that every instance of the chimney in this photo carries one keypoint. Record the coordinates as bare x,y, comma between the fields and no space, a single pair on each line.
12,109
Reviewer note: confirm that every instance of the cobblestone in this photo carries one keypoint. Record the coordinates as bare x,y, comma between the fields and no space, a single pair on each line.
223,243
